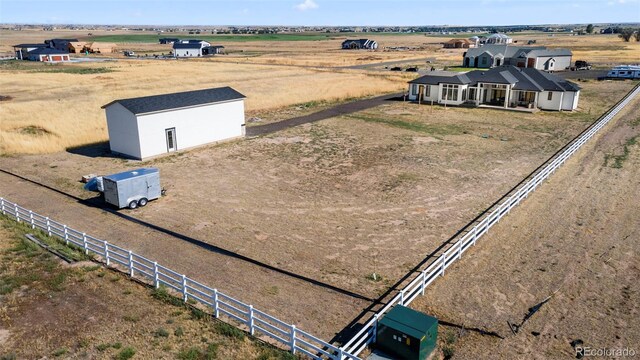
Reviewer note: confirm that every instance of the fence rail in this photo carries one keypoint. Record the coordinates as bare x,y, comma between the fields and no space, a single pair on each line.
222,306
437,267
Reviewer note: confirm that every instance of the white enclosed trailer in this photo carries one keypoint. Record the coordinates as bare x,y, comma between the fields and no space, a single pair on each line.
132,188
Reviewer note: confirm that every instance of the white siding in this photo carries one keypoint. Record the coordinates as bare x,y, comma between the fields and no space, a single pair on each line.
433,92
187,52
562,62
123,131
194,126
553,104
570,100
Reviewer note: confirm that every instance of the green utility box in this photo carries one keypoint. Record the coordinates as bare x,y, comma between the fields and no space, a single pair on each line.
407,334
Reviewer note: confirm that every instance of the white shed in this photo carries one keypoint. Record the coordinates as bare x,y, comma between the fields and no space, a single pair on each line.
148,126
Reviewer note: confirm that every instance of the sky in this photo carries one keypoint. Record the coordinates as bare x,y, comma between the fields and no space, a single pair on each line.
319,12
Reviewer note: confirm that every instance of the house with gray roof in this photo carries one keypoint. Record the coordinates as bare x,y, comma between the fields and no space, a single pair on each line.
359,44
189,48
537,57
505,86
498,39
149,126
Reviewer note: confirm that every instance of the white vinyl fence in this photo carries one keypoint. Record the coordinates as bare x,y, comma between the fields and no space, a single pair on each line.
257,322
437,267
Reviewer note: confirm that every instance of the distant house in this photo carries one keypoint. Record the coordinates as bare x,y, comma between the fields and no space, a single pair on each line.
360,44
60,44
478,40
189,48
46,54
505,86
213,50
168,40
499,39
100,47
540,58
153,125
76,47
22,50
459,44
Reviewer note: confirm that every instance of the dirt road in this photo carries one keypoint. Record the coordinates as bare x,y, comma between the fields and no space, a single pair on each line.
577,241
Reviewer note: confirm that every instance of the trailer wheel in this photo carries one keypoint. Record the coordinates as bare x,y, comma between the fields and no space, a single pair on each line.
142,202
133,204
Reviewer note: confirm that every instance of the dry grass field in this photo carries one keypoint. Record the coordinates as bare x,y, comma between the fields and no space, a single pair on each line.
576,241
51,111
99,313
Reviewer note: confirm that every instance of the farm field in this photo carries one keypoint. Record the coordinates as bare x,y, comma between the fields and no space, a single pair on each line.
64,110
99,313
575,241
333,201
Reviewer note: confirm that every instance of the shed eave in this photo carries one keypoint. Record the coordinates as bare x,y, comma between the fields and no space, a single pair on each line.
186,107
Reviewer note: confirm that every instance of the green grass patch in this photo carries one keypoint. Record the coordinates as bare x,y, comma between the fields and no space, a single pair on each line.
163,295
617,161
194,353
126,353
41,67
229,331
431,129
60,352
160,332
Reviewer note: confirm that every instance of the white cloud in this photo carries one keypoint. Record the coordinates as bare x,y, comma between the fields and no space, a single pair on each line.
307,5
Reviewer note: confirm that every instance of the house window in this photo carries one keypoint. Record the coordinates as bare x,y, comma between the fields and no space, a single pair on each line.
449,92
483,61
414,89
550,96
427,91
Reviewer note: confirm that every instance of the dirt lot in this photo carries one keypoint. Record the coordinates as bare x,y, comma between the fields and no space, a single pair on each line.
577,240
100,314
333,201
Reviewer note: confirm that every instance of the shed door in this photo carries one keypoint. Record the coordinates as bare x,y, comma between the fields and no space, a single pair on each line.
171,139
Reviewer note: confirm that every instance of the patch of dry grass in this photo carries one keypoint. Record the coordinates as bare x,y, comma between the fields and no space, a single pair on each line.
66,107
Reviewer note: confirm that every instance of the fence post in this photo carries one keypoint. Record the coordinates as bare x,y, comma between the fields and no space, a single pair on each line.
184,288
48,226
375,328
66,235
475,234
402,297
251,319
106,252
442,265
84,243
156,282
424,281
293,339
33,224
130,263
15,208
340,353
216,312
459,249
2,205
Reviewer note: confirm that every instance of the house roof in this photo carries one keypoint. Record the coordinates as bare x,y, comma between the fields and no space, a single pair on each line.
460,79
509,51
498,36
529,79
187,46
30,45
147,104
362,42
453,41
549,52
47,51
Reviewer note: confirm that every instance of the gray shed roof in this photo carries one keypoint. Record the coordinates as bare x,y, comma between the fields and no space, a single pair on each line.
147,104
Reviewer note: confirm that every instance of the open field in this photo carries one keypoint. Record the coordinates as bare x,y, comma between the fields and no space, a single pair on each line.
51,111
333,201
576,241
100,314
